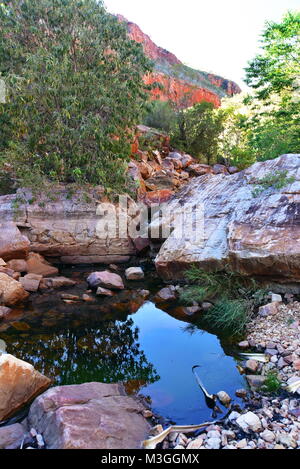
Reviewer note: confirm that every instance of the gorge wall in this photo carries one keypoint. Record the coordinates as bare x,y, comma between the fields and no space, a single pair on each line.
181,84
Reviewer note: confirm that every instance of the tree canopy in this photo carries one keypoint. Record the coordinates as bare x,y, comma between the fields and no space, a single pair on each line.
74,90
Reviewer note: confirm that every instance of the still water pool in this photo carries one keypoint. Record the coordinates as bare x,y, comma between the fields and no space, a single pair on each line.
123,339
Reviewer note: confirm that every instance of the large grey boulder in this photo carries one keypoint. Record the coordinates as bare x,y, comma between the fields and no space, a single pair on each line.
89,416
251,235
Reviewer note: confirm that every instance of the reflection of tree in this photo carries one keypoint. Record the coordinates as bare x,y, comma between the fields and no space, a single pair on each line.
107,354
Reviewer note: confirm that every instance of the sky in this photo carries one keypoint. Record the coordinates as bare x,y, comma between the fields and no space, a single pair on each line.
218,36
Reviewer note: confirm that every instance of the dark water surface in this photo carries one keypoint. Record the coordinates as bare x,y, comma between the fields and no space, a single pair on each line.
123,339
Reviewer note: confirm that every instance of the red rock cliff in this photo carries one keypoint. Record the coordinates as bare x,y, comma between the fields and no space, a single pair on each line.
181,84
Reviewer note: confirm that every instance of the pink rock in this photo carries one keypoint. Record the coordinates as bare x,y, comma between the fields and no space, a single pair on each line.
89,416
106,279
11,437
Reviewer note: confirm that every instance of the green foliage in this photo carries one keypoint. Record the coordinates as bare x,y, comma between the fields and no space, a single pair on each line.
274,76
230,316
197,131
75,88
161,116
272,384
234,298
276,180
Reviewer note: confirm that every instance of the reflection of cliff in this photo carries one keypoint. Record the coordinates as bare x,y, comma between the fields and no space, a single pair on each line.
108,354
181,84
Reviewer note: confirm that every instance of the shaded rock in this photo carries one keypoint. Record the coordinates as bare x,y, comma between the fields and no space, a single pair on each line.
242,393
206,306
12,292
106,279
58,282
134,273
89,416
220,169
4,311
104,292
31,282
244,345
158,197
13,245
19,384
166,294
12,436
268,310
36,264
252,365
268,436
18,265
255,382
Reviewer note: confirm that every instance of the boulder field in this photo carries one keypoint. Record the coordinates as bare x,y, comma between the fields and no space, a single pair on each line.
249,231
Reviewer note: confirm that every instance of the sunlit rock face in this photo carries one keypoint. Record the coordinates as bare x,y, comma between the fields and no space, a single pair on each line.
181,84
251,234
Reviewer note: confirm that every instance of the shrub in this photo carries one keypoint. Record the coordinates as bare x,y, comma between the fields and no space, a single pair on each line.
234,298
160,116
74,91
272,384
276,180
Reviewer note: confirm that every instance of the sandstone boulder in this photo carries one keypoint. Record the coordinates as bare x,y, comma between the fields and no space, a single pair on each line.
165,295
4,311
89,416
11,291
12,436
36,264
106,279
58,282
20,383
18,265
12,243
253,234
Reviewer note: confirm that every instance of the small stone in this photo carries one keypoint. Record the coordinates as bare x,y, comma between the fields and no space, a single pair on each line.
249,421
104,292
147,414
244,345
271,352
242,393
255,382
276,298
65,296
241,444
296,365
224,398
252,365
33,433
196,444
134,273
233,416
87,298
206,306
287,440
157,430
269,310
40,441
213,443
268,436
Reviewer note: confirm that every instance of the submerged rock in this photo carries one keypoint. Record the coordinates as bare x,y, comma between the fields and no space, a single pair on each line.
89,416
19,384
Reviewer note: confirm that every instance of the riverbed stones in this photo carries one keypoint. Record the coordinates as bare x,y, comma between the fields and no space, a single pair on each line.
11,291
19,384
89,416
13,245
18,265
252,366
58,282
134,273
106,279
269,309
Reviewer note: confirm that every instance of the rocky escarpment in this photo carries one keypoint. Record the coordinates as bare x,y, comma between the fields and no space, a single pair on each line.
253,234
181,84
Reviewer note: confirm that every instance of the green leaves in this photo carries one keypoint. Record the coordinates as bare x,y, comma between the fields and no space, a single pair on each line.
75,85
